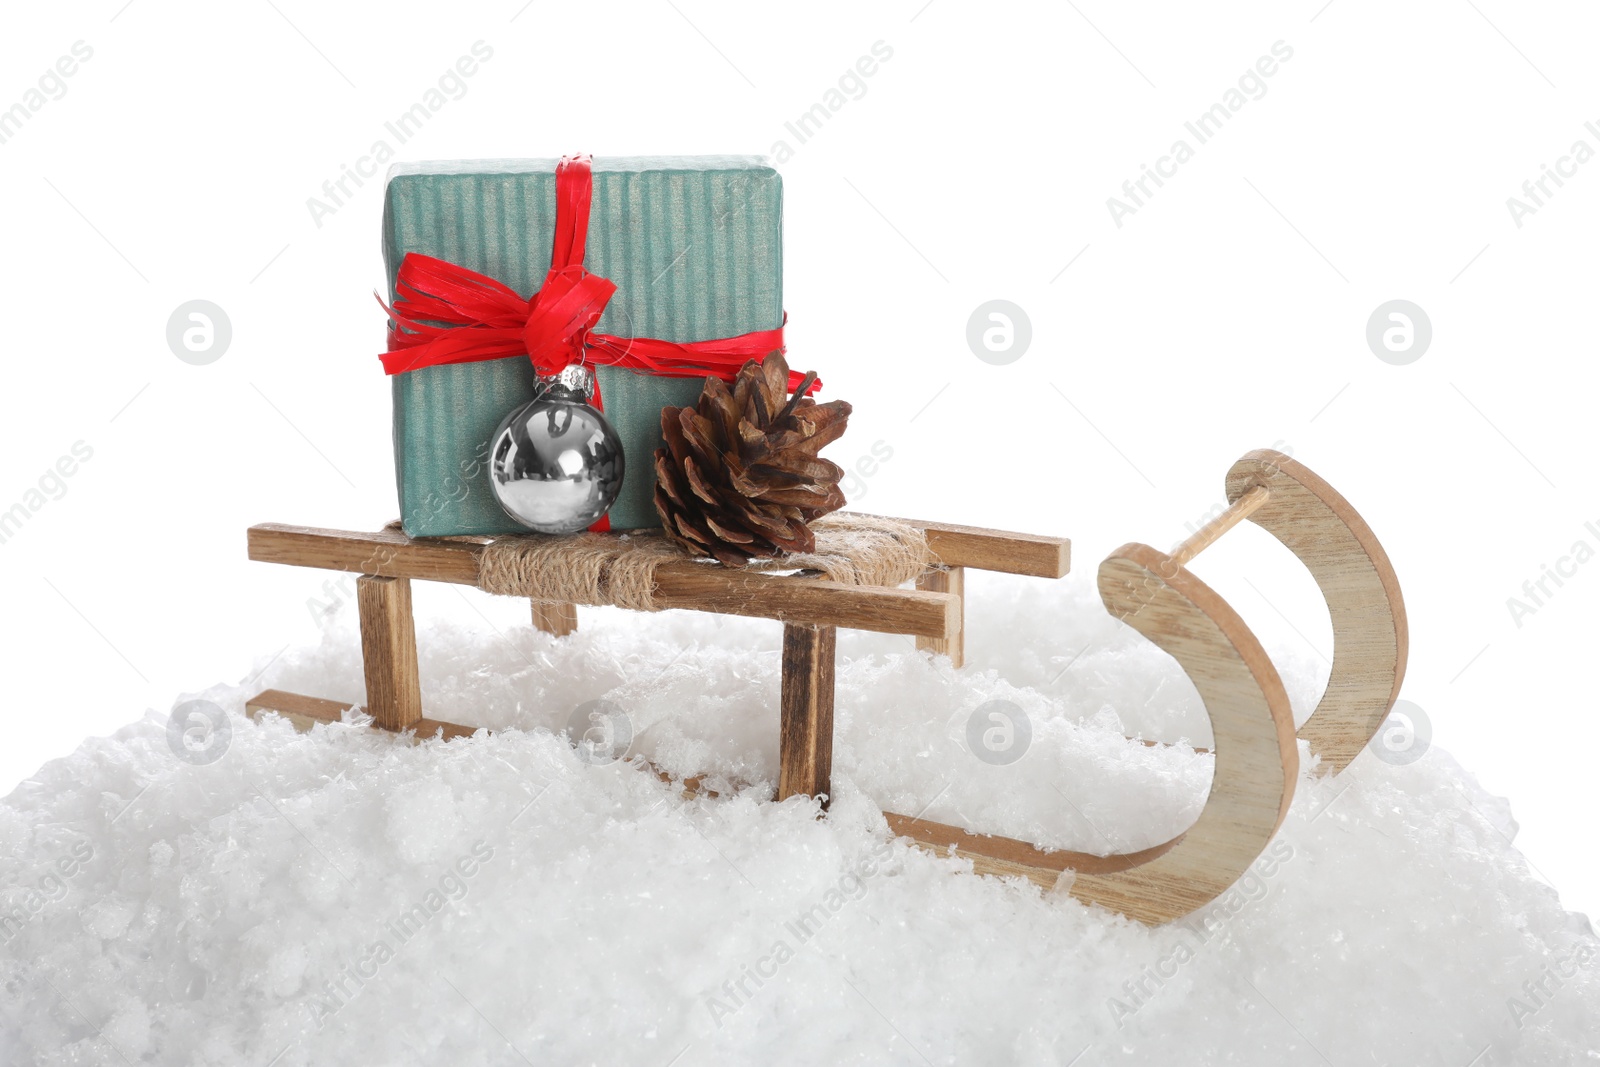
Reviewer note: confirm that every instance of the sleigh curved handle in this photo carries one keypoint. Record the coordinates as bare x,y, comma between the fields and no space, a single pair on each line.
1370,636
1257,761
1256,751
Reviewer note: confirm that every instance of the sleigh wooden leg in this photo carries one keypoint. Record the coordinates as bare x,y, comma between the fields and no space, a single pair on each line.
805,737
555,618
389,652
947,580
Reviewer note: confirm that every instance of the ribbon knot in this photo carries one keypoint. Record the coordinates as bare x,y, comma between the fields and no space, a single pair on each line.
444,313
561,316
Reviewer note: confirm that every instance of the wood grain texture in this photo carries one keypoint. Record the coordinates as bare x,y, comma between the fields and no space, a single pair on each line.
554,618
1035,555
305,712
695,586
805,732
1009,858
1256,758
423,729
384,553
302,711
808,601
1370,636
389,651
952,580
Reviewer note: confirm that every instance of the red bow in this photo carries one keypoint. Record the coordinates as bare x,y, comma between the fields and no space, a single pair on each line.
444,313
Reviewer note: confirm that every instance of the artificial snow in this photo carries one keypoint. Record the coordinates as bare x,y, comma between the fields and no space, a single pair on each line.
345,897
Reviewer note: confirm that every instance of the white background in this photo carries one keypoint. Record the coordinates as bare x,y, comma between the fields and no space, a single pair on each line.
1228,313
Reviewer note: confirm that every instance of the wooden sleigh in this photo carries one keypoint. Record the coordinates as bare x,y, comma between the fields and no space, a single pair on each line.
1257,759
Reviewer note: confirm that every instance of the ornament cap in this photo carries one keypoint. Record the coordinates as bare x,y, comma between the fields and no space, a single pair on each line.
574,378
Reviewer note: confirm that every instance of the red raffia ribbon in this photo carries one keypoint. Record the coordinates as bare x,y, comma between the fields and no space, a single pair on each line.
444,313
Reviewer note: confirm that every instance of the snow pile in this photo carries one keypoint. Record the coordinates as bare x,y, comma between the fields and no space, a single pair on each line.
342,897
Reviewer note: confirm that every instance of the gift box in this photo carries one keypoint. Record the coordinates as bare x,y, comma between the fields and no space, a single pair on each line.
694,245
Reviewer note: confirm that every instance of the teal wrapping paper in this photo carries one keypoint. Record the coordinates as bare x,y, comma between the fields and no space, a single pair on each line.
694,245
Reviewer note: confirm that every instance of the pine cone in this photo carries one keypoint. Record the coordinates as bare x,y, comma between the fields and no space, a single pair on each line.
740,477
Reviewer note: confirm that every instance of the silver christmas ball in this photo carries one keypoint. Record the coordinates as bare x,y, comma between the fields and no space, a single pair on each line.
557,464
